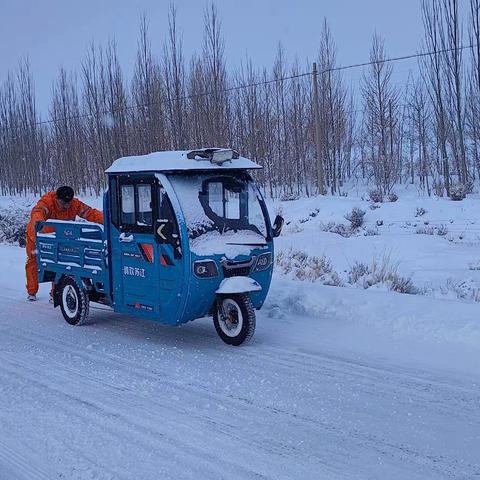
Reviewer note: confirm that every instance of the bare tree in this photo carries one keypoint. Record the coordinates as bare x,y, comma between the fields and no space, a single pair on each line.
116,103
299,122
419,118
148,95
67,136
381,106
427,134
431,68
10,138
22,139
336,140
473,110
451,35
96,118
214,80
174,74
280,132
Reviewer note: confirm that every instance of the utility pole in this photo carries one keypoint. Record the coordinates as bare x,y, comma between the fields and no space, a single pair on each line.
320,173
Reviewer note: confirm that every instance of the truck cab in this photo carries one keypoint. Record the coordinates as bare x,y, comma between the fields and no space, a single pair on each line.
187,234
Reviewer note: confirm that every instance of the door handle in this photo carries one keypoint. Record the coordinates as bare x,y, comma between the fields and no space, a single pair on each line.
125,238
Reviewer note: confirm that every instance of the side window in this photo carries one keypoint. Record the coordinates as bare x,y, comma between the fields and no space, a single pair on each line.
215,197
232,204
136,207
165,210
113,194
168,231
128,205
144,214
224,198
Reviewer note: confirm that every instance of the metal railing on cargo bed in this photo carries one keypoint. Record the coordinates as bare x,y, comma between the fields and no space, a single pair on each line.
72,248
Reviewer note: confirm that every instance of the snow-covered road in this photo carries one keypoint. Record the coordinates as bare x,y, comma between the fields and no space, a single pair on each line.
128,399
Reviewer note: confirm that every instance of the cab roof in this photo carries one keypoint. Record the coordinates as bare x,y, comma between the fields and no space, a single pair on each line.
183,160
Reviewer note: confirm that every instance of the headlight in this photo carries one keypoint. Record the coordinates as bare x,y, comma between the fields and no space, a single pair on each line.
263,262
205,269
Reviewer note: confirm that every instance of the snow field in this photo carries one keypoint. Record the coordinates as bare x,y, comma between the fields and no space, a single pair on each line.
438,265
310,398
338,383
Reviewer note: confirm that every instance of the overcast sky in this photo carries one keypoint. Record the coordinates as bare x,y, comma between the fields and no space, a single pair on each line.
54,33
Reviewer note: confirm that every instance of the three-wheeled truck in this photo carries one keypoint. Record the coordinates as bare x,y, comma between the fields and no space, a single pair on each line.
187,234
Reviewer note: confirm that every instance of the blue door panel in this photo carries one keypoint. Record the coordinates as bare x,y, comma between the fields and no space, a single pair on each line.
147,276
135,276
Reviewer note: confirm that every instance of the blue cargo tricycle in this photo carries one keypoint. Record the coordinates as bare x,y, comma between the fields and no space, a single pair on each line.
187,234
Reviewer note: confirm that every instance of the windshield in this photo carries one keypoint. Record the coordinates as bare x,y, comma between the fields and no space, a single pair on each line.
229,205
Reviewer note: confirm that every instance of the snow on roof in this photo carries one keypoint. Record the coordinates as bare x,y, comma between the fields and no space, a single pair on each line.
176,161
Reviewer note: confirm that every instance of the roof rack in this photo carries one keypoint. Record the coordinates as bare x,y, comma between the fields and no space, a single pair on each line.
217,156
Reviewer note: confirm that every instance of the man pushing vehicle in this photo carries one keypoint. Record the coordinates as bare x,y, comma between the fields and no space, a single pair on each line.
59,205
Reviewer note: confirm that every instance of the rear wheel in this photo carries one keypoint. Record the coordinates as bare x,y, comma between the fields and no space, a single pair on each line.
74,301
234,319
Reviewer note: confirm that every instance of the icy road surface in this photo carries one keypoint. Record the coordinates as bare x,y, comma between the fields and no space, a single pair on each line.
312,397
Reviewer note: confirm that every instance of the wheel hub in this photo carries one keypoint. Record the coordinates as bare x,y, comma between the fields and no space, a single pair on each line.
231,319
70,301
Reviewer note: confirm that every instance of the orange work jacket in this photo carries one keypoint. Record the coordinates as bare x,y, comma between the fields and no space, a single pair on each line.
47,208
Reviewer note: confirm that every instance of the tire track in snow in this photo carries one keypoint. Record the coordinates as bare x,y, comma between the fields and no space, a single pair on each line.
18,466
377,443
428,391
287,363
292,359
108,406
245,405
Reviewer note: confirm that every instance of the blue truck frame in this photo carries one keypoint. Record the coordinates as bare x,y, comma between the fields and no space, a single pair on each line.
76,249
136,271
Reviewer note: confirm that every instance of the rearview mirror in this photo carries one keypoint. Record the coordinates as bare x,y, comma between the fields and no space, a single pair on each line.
277,226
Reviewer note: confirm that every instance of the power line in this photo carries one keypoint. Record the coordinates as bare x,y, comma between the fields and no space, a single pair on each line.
396,59
256,84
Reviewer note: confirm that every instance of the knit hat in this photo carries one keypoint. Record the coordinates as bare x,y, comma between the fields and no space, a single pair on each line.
65,194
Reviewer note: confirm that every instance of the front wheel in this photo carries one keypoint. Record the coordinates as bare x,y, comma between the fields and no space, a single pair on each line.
74,301
234,319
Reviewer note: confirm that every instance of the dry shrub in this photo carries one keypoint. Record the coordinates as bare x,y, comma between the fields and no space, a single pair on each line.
425,230
302,266
382,272
289,197
338,228
376,195
371,232
356,218
392,197
474,265
442,230
466,290
420,212
458,192
12,226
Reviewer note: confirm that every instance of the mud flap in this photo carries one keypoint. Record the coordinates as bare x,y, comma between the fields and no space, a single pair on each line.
57,294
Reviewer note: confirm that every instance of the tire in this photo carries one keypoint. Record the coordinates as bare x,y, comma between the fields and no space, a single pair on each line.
74,301
234,319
